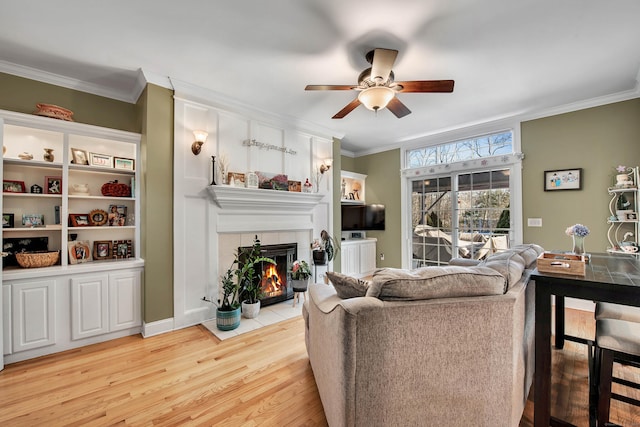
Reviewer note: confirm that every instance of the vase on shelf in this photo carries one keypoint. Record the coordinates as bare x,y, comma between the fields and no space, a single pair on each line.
48,155
578,245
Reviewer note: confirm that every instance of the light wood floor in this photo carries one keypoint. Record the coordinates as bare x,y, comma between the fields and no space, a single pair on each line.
189,377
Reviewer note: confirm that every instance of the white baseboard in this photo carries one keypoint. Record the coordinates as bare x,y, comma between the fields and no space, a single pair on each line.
158,327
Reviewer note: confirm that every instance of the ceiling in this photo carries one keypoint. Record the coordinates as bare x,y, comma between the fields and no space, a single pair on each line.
508,58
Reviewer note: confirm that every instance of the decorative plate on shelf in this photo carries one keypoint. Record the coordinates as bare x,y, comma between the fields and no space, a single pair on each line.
54,111
97,217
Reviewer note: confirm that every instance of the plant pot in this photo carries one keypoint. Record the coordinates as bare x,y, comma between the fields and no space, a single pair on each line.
228,320
299,285
250,311
319,257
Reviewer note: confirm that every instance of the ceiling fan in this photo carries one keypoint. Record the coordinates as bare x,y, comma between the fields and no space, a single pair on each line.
378,88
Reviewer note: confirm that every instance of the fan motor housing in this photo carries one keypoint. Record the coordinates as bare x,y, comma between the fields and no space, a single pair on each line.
364,79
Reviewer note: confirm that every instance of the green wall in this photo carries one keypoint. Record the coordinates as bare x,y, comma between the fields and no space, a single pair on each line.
156,106
596,140
382,186
22,95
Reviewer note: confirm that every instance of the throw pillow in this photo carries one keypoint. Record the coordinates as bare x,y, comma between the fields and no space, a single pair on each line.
347,286
394,284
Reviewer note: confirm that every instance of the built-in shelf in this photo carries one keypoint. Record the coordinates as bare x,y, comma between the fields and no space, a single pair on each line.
232,198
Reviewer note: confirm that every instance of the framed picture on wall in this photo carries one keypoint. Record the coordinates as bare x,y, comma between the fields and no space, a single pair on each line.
563,179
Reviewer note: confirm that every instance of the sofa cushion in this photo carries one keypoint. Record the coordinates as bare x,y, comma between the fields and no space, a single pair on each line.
529,252
347,286
509,264
395,284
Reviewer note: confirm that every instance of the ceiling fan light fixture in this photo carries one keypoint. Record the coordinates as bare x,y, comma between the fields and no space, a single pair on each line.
376,98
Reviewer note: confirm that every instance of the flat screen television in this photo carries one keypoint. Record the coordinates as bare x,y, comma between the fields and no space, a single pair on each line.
362,217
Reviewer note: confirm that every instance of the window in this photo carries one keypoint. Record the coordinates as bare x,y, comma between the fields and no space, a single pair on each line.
462,200
459,151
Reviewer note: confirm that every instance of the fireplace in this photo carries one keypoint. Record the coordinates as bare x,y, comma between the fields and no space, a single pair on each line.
277,278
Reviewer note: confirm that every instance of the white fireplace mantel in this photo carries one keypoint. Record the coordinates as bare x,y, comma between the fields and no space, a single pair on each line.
240,198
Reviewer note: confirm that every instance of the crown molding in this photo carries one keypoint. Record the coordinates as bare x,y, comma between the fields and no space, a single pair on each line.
147,76
125,95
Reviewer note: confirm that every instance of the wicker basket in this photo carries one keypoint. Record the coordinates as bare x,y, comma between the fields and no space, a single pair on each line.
37,259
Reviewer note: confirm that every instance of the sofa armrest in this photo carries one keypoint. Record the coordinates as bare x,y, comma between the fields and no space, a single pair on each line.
327,300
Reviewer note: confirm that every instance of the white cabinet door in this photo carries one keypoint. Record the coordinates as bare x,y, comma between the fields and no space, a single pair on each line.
6,319
350,259
33,314
89,306
367,257
125,305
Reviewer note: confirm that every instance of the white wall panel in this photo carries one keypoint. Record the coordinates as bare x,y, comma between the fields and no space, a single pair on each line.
267,160
232,131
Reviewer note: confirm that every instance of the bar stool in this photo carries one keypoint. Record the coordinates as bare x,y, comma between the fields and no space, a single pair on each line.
608,310
616,340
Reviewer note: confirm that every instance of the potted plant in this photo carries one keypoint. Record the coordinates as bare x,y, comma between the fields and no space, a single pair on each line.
300,274
323,249
249,275
228,309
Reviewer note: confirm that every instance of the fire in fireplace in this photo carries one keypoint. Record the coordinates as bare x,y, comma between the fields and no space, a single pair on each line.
276,278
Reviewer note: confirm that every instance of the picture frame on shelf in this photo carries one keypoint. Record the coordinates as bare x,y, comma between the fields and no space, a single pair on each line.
295,186
7,220
102,249
53,184
121,249
79,157
79,220
123,163
563,179
36,189
79,252
251,180
117,215
98,217
631,216
10,186
100,160
32,220
235,179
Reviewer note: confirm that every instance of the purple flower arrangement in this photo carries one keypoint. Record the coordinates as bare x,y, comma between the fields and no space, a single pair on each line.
577,230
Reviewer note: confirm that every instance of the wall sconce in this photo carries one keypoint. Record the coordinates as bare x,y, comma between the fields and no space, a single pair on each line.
326,165
201,137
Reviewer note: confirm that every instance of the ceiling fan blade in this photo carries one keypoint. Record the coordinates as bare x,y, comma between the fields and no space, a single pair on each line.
426,86
346,110
330,87
398,108
383,60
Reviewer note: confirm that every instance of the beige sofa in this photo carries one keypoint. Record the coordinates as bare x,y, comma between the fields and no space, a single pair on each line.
438,346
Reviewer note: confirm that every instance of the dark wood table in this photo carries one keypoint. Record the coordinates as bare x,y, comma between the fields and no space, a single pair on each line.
608,278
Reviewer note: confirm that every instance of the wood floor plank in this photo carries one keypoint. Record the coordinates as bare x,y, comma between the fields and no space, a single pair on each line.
191,378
